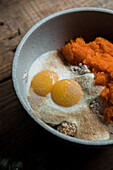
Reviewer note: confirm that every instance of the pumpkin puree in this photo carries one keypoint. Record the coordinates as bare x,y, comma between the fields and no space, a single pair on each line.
98,56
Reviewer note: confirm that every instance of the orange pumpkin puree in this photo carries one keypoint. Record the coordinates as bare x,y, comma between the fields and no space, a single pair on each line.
98,56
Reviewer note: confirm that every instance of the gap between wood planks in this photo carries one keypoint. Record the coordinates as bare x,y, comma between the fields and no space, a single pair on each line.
5,79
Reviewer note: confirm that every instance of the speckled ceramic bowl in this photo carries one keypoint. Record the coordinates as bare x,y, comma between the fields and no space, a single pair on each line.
50,33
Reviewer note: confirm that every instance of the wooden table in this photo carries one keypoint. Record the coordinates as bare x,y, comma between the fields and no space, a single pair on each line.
20,136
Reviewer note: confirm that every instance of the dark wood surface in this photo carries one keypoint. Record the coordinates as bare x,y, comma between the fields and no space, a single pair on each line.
20,136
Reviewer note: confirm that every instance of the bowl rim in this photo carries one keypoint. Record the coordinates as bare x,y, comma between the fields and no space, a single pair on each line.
16,86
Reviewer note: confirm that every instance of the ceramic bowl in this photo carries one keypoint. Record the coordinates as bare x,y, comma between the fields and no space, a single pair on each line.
50,34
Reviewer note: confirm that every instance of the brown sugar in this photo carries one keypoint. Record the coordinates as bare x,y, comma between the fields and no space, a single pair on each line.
67,128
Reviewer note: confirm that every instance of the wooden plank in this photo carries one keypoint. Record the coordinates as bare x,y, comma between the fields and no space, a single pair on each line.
17,16
17,128
103,160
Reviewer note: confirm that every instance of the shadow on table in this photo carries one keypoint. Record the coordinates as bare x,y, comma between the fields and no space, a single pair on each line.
48,152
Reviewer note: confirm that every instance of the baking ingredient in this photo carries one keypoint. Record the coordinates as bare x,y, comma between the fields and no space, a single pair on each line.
88,125
98,56
43,81
67,128
66,92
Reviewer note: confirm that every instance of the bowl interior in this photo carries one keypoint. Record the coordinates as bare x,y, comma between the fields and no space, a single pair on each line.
54,31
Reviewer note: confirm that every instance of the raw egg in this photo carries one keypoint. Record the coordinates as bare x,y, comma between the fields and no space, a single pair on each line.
66,92
43,81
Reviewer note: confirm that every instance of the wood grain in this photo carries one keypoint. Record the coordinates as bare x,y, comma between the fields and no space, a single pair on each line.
17,130
16,127
17,16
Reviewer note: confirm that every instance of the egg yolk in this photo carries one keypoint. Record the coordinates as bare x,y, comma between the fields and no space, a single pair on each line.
66,92
43,81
